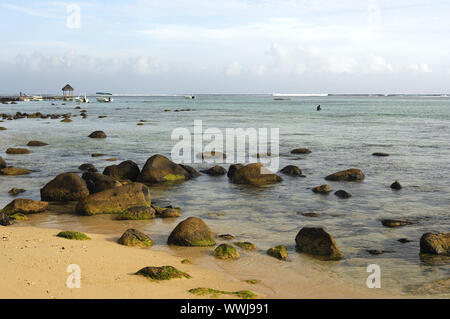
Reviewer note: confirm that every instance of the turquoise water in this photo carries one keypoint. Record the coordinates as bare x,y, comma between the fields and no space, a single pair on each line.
414,130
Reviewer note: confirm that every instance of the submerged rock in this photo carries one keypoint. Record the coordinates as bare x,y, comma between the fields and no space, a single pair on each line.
292,170
279,252
88,168
25,206
349,175
159,168
14,171
127,170
322,189
226,236
317,242
16,191
396,185
213,155
133,237
115,200
255,174
404,240
167,212
65,187
226,251
380,154
395,222
97,134
36,144
245,245
342,194
192,232
300,151
435,244
17,151
215,171
2,163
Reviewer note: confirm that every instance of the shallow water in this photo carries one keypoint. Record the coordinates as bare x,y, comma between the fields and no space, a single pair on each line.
414,130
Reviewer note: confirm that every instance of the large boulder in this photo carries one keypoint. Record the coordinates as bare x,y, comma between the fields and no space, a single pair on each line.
65,187
192,232
97,134
2,163
127,170
25,206
435,244
255,174
317,242
97,182
133,237
233,168
159,168
349,175
115,200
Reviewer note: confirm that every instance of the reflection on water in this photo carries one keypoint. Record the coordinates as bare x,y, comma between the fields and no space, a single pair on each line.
415,131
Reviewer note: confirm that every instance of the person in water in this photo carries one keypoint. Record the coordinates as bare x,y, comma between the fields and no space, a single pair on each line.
318,108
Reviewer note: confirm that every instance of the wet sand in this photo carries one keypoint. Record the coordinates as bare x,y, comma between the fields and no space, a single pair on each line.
34,263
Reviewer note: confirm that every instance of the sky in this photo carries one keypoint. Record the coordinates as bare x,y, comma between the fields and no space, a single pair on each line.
227,46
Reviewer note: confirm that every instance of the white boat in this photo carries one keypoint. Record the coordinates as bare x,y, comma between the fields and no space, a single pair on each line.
104,97
82,99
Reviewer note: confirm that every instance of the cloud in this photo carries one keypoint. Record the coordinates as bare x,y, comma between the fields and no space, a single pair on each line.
419,68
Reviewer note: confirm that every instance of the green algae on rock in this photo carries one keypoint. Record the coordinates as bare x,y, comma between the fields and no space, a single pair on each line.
279,252
192,232
162,273
245,245
214,293
133,237
73,235
226,251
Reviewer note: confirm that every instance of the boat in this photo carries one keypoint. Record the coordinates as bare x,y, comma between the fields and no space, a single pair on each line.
104,97
189,97
82,99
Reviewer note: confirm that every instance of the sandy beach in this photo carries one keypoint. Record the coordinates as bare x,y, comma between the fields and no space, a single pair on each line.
34,263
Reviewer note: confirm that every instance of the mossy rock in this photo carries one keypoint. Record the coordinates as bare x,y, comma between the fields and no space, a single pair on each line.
252,281
245,245
133,237
214,293
73,235
187,261
162,273
279,252
18,216
192,232
225,251
137,213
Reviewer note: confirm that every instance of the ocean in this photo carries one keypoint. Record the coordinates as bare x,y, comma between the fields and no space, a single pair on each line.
415,131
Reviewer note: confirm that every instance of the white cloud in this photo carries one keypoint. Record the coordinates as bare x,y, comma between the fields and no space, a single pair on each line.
234,69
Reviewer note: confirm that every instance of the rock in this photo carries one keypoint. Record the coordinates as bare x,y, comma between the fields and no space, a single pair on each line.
133,237
18,216
342,194
226,251
5,220
396,185
381,154
292,170
15,191
375,251
97,154
311,214
14,171
97,134
25,206
115,200
66,120
245,245
127,170
88,168
279,252
2,163
441,286
162,273
192,232
159,168
16,151
349,175
404,240
301,151
233,168
395,222
435,244
226,236
191,171
255,174
36,143
138,213
73,235
322,189
170,213
3,128
97,182
212,155
317,242
215,171
65,187
112,159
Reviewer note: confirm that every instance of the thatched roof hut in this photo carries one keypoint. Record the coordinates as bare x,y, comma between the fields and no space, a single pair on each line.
67,91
